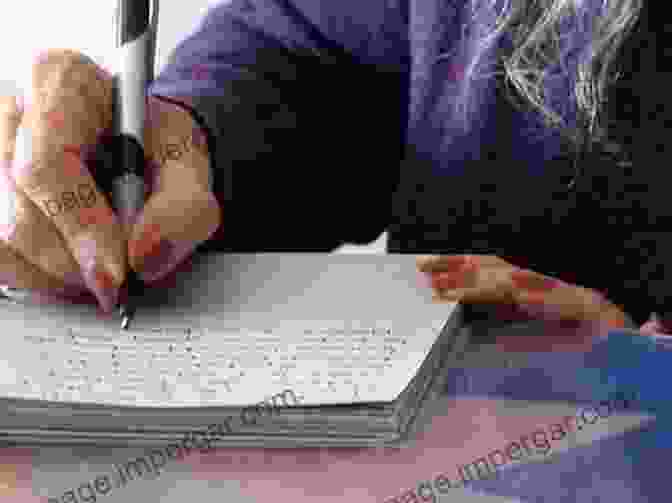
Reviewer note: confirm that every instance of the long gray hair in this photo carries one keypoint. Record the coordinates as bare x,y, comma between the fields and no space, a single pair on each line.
559,55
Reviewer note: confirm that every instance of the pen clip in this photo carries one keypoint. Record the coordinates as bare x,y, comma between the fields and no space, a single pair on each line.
154,30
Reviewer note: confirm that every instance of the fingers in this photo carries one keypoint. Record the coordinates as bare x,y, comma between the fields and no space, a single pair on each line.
470,282
17,272
182,212
559,300
30,234
490,280
23,227
68,106
450,263
10,114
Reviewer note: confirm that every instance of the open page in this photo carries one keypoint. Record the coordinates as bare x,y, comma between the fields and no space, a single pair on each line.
240,329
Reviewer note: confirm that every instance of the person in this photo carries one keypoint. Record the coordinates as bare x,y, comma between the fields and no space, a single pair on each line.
503,145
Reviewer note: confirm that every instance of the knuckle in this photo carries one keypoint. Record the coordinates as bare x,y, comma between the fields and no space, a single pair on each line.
65,63
48,58
67,77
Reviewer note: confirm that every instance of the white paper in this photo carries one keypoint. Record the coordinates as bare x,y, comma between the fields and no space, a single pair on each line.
213,367
332,329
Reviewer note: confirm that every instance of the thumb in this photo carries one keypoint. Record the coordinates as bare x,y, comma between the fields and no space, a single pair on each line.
173,223
181,212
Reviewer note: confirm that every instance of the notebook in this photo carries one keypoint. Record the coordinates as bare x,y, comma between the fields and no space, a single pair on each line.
352,344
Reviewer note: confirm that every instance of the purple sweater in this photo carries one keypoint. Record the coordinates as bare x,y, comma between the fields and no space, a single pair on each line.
330,122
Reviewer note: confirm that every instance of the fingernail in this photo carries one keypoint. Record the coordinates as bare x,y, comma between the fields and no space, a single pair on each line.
424,280
20,103
163,258
103,73
73,161
99,281
139,248
102,285
448,281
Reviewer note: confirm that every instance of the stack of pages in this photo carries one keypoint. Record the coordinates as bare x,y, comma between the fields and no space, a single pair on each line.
272,350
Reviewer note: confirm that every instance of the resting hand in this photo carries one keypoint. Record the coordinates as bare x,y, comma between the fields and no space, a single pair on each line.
487,279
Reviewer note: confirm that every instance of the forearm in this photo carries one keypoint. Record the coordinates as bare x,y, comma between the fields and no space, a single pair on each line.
280,93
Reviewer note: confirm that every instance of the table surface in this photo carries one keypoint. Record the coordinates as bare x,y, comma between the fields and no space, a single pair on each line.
499,397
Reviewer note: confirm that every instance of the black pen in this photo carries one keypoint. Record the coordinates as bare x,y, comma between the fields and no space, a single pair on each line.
135,41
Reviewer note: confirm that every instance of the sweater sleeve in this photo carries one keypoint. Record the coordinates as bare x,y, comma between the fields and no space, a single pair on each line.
304,106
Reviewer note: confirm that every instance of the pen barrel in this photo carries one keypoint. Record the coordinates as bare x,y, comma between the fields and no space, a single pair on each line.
128,198
135,42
